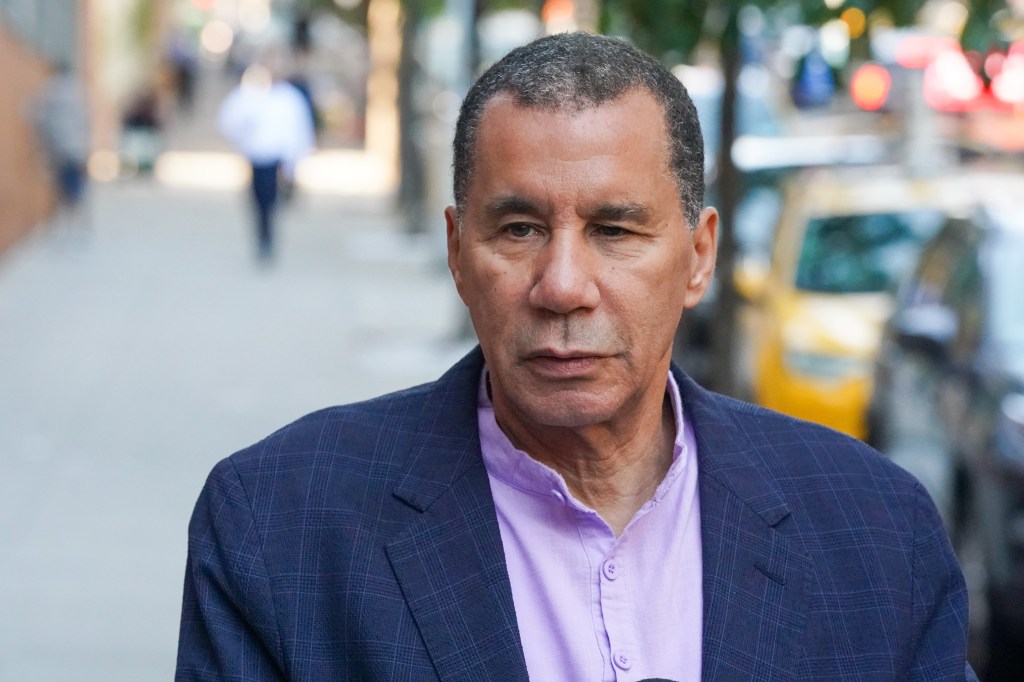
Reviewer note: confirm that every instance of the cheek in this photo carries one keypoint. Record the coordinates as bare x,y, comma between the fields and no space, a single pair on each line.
659,283
499,279
491,290
656,299
643,304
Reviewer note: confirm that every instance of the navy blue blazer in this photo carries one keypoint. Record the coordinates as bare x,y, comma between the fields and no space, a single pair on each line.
361,543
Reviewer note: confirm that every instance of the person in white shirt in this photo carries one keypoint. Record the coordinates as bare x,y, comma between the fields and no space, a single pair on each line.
267,120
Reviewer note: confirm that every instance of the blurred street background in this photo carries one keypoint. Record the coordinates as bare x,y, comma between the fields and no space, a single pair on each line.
867,158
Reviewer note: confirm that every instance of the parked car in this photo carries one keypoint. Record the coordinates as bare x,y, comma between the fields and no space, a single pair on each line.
949,406
844,240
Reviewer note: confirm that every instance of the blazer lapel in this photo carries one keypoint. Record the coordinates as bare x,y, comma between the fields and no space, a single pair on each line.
451,565
755,579
449,561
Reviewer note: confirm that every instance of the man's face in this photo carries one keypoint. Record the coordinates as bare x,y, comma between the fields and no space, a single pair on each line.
574,259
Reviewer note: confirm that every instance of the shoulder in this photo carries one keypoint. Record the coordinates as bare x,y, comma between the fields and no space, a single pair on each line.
336,457
778,440
797,447
825,478
351,449
338,436
287,92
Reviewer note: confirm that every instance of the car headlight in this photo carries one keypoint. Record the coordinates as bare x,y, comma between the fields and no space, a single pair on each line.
824,366
1010,431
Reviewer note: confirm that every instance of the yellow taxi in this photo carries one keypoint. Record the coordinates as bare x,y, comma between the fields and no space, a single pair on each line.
844,240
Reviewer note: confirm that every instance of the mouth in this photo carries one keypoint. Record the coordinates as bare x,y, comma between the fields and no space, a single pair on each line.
564,364
563,354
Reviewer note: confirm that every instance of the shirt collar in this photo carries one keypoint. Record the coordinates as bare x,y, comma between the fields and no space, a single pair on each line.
516,468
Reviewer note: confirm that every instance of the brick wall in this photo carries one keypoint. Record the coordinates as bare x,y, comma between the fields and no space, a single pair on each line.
25,196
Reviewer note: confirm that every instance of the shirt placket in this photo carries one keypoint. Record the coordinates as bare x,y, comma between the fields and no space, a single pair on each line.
597,540
616,582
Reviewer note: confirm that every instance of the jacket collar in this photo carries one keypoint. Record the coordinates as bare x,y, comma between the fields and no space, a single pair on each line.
446,443
755,576
451,564
728,452
449,561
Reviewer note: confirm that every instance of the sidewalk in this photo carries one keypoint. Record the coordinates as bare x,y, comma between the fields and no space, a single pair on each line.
136,357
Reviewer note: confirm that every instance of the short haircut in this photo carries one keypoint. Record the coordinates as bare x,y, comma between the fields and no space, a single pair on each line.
576,71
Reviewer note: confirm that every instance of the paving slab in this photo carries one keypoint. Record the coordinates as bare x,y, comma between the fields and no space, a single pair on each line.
136,354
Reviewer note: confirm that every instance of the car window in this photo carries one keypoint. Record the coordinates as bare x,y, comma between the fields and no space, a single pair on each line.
963,296
933,271
1006,287
862,253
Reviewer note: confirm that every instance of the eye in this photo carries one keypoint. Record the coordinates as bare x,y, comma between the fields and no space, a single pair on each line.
520,230
610,231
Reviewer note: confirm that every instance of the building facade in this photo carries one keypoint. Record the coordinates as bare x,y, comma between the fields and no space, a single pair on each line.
35,36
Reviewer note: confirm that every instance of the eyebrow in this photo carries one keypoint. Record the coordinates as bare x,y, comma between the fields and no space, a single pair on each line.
628,212
513,203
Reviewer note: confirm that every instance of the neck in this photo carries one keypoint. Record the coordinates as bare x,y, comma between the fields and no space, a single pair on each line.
614,471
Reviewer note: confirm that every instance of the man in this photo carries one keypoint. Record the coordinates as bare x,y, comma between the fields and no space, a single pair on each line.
563,504
268,121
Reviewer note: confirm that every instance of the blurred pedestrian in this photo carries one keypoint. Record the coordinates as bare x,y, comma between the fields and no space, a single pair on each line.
184,67
268,121
141,130
301,46
61,121
814,84
300,81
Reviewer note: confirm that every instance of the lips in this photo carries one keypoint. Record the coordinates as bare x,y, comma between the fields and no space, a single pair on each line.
564,364
563,354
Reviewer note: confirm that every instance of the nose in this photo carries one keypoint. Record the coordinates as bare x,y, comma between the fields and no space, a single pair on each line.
566,276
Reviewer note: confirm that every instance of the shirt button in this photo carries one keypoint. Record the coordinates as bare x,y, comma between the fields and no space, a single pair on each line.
622,661
610,570
559,497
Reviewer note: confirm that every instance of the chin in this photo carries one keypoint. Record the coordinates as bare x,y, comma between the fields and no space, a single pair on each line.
567,413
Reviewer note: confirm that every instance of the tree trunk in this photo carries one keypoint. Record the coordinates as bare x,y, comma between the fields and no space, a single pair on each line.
411,191
724,327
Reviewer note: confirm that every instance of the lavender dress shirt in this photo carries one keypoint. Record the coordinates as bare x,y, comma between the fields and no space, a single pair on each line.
591,606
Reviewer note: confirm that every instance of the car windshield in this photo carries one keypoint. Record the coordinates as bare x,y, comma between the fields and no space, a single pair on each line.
1007,285
853,254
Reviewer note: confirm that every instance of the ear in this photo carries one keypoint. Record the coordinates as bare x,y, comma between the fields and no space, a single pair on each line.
705,248
454,247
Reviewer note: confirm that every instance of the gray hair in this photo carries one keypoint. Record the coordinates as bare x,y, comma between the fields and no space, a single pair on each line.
578,71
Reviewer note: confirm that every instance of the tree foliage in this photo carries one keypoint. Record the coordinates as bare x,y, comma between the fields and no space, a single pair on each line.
678,26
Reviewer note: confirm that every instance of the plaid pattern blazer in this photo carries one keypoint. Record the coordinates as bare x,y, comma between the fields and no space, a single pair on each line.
361,543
